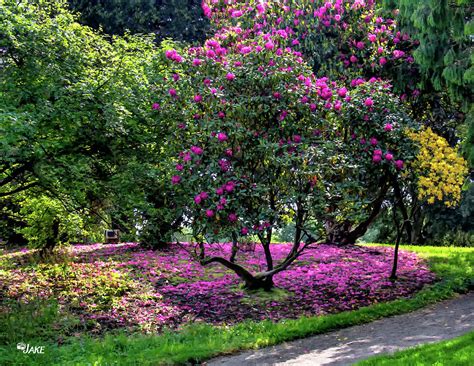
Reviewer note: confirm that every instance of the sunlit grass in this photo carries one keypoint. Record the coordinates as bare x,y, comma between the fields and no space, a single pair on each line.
454,352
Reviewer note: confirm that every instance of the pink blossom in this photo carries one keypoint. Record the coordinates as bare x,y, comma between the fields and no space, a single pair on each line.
179,167
326,93
173,55
399,164
224,165
244,231
269,45
197,98
209,213
377,158
388,156
197,62
175,179
398,53
230,76
221,136
170,54
196,150
210,54
230,186
388,127
260,8
369,102
172,92
232,217
155,106
236,14
342,92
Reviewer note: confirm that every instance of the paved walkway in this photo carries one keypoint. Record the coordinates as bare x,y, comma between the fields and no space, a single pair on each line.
440,321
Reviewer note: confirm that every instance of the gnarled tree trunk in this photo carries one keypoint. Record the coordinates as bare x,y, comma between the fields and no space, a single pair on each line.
345,234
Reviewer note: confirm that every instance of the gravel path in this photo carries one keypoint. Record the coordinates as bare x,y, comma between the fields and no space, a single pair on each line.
437,322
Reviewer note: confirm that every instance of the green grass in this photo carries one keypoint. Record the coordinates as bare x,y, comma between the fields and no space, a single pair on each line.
454,352
454,266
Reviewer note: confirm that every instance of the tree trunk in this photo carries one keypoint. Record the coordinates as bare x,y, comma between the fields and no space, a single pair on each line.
265,283
251,282
393,275
52,240
398,195
416,235
347,236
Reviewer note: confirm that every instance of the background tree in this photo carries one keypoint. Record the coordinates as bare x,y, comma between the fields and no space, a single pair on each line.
74,111
444,31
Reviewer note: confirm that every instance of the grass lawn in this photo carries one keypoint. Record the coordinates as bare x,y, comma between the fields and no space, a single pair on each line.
454,352
453,266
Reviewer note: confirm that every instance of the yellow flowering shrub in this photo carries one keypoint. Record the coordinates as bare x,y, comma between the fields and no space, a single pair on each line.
441,171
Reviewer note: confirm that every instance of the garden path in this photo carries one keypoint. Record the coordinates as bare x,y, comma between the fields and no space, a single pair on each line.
444,320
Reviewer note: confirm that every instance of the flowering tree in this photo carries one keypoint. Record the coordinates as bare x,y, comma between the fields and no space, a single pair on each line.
259,140
265,141
252,153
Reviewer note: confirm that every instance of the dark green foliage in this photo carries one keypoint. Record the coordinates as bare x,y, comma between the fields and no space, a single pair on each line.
445,59
444,29
181,20
74,114
445,226
468,147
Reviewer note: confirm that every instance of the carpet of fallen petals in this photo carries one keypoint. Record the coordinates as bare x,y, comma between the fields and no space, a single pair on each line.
126,286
